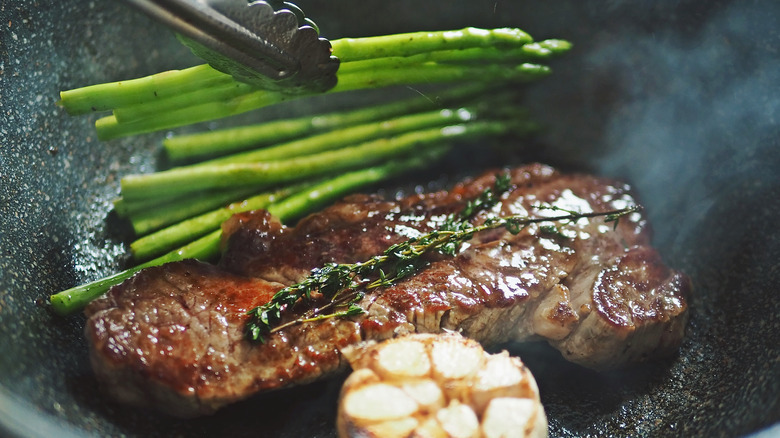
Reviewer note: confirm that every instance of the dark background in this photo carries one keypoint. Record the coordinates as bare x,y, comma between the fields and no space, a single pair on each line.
678,97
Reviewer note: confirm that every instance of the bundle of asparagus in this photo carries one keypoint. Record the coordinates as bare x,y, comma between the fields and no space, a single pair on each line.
293,166
176,98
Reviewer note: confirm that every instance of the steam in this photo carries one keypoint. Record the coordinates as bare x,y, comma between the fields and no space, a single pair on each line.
711,125
691,112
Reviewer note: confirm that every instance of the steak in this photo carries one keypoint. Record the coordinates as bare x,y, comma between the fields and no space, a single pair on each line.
172,336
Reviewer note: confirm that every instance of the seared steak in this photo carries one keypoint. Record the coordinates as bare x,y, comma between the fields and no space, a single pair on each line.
173,336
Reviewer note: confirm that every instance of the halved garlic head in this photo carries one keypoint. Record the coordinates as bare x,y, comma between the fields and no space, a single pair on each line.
432,386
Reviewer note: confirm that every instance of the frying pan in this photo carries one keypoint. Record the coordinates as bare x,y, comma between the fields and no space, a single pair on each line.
680,98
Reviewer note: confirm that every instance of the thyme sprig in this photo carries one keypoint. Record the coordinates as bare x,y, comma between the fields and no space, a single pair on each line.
344,285
340,282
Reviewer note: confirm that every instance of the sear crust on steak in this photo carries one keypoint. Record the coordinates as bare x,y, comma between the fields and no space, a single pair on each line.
172,337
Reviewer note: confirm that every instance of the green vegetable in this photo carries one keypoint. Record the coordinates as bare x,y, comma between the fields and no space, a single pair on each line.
192,147
178,98
111,127
373,73
154,212
147,215
532,52
180,181
74,299
207,247
106,97
173,83
348,136
188,230
407,44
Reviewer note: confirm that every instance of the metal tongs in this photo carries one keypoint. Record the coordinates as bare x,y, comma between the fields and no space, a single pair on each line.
253,42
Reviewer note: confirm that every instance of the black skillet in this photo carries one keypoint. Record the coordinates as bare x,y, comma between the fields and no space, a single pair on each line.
681,98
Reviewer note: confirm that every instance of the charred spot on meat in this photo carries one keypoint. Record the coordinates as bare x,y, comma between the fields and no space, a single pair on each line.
172,336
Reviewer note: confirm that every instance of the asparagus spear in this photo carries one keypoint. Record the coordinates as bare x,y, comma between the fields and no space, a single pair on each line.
222,91
407,44
192,147
105,97
174,209
74,299
110,127
372,66
150,214
210,98
346,136
156,87
528,53
184,180
207,247
188,230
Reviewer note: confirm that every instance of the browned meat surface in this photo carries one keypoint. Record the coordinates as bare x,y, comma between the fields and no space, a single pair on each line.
172,336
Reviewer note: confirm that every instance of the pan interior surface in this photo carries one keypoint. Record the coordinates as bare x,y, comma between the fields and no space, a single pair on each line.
678,98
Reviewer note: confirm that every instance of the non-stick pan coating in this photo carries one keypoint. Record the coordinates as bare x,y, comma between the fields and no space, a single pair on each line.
678,97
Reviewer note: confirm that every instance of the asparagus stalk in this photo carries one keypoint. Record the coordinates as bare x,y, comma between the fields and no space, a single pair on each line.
74,299
165,211
297,205
204,201
347,136
528,53
149,214
222,91
184,180
483,55
207,247
109,127
183,148
188,230
105,97
407,44
172,83
156,215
